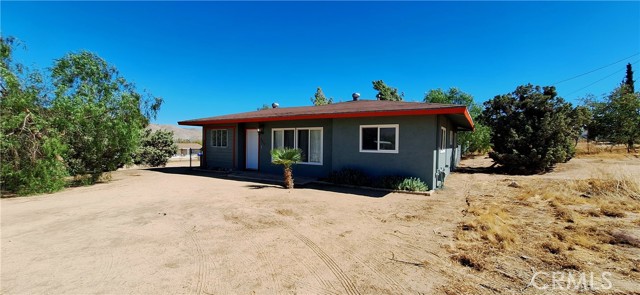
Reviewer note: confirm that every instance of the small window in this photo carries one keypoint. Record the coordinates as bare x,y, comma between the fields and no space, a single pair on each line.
379,138
443,139
451,138
219,137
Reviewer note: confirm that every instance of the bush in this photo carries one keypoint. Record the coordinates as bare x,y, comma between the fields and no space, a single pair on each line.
390,182
350,176
532,129
156,148
413,184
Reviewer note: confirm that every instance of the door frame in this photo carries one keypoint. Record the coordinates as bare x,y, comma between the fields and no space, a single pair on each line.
246,150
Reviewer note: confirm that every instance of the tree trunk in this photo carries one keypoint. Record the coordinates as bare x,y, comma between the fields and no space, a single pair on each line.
288,178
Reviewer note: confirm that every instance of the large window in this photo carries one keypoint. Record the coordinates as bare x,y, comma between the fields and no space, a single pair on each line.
308,140
219,137
379,138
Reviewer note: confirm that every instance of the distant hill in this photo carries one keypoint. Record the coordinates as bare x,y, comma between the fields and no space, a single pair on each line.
180,133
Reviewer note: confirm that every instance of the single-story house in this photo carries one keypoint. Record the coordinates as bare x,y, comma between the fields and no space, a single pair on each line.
376,136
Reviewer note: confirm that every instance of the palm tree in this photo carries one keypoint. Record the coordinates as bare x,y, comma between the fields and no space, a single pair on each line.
286,157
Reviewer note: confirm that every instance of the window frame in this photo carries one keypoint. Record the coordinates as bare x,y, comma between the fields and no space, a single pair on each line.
443,139
295,141
378,126
212,137
451,137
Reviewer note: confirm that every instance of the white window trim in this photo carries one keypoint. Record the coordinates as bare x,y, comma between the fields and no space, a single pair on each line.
443,139
295,141
211,143
396,126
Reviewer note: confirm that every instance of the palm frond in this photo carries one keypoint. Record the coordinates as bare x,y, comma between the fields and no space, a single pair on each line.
286,156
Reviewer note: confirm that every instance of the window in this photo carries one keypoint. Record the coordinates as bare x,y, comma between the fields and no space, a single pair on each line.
443,139
308,140
219,137
379,138
451,138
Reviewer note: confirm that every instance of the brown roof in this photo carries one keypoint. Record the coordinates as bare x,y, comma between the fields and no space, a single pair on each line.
350,109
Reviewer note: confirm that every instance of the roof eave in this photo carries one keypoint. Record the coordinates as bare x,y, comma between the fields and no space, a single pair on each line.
440,111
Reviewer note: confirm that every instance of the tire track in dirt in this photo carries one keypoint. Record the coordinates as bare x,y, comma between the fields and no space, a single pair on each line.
344,280
328,287
382,273
204,267
378,267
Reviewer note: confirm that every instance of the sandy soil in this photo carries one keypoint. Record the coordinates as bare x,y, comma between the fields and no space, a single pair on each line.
168,231
156,232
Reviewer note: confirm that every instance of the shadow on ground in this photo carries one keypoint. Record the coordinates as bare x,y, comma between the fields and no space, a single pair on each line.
268,181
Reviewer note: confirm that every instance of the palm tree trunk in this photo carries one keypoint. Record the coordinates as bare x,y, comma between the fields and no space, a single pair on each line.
288,178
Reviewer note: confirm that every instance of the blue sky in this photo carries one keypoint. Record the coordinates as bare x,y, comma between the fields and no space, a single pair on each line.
213,58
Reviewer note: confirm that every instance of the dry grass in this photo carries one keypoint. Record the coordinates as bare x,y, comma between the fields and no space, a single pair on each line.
586,149
585,225
491,224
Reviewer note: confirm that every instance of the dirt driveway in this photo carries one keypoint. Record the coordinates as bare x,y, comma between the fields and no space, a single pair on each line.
157,232
172,231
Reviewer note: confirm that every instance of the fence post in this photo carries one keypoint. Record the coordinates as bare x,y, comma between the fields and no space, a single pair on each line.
189,157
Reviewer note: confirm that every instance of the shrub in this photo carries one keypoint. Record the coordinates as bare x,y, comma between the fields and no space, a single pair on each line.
156,148
349,176
390,182
413,184
532,128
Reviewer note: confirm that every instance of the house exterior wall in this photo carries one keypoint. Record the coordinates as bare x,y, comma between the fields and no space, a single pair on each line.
417,141
418,147
220,157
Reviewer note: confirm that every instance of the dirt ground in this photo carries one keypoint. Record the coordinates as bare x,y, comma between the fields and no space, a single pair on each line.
169,231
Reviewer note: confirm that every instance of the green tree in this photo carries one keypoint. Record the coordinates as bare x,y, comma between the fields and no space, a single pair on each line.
30,151
156,148
319,99
100,114
386,92
532,129
263,107
617,119
478,141
287,158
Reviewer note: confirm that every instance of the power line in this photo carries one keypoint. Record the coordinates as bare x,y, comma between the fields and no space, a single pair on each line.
616,72
600,68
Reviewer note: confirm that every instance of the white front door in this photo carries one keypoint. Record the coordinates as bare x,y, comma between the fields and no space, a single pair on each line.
252,149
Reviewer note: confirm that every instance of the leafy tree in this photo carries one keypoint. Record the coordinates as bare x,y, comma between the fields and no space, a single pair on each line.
156,148
617,119
99,113
263,107
386,92
477,141
287,158
30,151
319,99
532,129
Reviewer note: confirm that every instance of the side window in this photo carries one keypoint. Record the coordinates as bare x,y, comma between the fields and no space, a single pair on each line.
219,137
379,138
443,139
451,141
